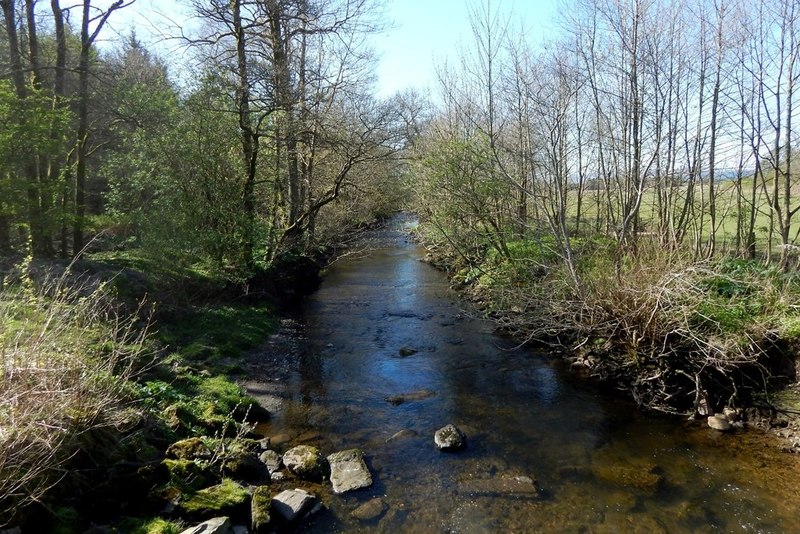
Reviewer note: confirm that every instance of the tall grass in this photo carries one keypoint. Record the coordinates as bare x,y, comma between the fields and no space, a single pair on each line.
679,335
65,359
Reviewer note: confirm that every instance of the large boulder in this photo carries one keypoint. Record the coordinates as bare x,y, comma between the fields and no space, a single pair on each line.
348,471
243,465
449,438
293,505
305,461
188,474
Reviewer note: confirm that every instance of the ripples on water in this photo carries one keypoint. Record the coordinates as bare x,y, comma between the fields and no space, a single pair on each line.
602,466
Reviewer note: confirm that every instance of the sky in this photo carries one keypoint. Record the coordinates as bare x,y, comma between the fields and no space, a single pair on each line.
420,34
430,32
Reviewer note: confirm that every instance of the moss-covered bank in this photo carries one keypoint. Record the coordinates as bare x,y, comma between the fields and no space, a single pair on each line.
159,351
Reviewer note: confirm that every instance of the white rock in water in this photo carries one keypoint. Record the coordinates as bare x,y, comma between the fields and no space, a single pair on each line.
449,438
719,422
272,460
348,471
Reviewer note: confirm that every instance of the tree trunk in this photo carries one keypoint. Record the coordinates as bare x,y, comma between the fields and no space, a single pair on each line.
249,139
82,152
55,164
38,242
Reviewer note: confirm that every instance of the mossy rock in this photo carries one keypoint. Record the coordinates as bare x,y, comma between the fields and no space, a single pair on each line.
153,525
176,417
306,462
189,449
225,499
243,465
259,510
188,474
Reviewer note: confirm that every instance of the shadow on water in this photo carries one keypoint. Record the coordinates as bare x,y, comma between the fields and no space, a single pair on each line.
602,466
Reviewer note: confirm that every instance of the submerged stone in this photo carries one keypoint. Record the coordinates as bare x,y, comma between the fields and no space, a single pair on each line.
449,438
370,510
403,434
348,471
644,478
421,394
505,485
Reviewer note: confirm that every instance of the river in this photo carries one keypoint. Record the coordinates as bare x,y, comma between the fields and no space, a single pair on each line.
601,466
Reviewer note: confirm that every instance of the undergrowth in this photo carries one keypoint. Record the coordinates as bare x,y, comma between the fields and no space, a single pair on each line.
679,336
66,359
88,381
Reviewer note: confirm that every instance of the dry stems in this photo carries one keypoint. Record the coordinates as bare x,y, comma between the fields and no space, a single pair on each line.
65,356
652,330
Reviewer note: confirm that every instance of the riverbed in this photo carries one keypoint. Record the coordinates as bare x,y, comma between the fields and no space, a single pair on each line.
385,353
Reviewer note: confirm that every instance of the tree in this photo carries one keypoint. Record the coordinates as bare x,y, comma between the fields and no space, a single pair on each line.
92,22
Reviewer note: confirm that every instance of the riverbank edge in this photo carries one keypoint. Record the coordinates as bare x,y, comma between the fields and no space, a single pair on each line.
780,420
201,329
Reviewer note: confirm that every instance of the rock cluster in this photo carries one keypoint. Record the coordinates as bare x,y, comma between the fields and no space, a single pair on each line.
230,507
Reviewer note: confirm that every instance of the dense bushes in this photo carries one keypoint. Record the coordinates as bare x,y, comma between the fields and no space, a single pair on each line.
679,336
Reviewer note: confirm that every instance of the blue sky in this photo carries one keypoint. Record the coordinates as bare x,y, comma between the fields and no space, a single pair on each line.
421,33
427,32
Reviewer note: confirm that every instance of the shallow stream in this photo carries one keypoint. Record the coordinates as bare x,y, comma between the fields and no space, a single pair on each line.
601,466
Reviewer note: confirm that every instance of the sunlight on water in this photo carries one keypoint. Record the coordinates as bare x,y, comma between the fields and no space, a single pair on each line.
336,377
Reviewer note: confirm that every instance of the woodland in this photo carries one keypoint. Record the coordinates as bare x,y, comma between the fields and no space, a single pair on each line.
625,194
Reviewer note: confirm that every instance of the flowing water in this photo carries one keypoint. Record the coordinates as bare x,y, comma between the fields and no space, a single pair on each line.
600,465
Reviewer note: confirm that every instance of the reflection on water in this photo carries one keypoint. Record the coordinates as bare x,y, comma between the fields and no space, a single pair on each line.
601,466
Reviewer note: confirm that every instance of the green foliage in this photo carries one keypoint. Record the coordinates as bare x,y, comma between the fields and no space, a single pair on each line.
30,127
199,404
187,165
216,500
154,525
464,196
67,520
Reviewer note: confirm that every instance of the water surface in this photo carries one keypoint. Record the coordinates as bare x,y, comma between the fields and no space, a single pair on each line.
601,466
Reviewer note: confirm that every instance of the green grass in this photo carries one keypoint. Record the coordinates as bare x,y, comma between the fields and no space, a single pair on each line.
157,525
213,333
726,208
